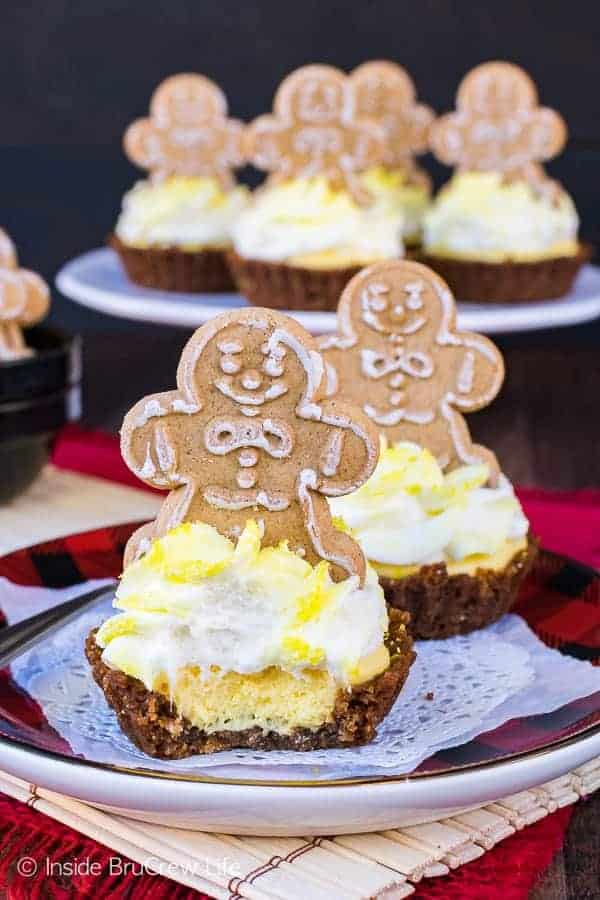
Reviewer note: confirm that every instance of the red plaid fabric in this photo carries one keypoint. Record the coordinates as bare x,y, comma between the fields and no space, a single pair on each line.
560,601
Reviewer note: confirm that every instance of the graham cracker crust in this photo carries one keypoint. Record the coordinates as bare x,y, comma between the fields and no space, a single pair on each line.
279,286
172,269
509,281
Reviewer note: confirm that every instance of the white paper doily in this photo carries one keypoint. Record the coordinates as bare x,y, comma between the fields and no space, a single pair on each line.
477,681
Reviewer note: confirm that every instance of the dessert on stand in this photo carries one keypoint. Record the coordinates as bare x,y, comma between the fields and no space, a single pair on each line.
501,230
384,91
175,227
316,221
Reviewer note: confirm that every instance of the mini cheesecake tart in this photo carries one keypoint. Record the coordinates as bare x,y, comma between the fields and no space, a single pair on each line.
219,645
173,235
498,240
299,242
449,549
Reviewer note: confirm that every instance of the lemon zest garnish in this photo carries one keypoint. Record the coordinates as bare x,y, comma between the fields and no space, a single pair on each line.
300,651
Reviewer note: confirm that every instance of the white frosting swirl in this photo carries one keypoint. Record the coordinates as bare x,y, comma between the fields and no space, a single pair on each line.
306,222
195,599
410,514
392,192
183,212
477,215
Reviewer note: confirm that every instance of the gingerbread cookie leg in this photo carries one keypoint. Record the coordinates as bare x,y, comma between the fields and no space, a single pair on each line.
331,544
466,451
12,343
139,543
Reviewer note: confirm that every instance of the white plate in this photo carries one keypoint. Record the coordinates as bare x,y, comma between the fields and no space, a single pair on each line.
292,810
97,280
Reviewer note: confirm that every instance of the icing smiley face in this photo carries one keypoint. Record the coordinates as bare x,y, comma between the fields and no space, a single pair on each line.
314,130
498,125
250,434
397,312
188,132
384,91
252,372
398,354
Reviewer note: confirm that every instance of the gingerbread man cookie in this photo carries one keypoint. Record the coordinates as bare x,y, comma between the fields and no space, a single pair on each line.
314,130
249,433
398,355
188,132
385,91
498,125
24,301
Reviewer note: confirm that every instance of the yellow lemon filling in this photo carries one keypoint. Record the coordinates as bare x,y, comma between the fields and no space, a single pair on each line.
491,561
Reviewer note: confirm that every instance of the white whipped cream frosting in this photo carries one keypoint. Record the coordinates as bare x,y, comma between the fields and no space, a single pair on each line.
184,212
195,599
305,218
477,215
410,514
392,190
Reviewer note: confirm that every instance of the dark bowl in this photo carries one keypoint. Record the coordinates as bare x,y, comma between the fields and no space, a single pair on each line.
27,430
56,364
22,459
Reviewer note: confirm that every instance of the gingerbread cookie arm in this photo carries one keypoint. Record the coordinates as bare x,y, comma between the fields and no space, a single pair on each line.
147,443
350,455
233,155
415,175
8,251
143,146
262,139
548,134
479,372
421,118
38,297
446,140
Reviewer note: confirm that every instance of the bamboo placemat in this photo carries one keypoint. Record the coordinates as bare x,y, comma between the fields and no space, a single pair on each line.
349,867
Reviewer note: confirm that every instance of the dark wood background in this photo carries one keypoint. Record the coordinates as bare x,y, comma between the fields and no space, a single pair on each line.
72,75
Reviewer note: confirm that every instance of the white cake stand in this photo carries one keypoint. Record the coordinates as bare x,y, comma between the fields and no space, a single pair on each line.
97,280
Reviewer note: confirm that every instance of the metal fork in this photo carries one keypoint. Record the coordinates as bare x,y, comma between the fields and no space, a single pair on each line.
16,639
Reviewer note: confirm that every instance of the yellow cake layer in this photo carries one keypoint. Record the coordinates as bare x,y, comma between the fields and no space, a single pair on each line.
273,700
495,561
